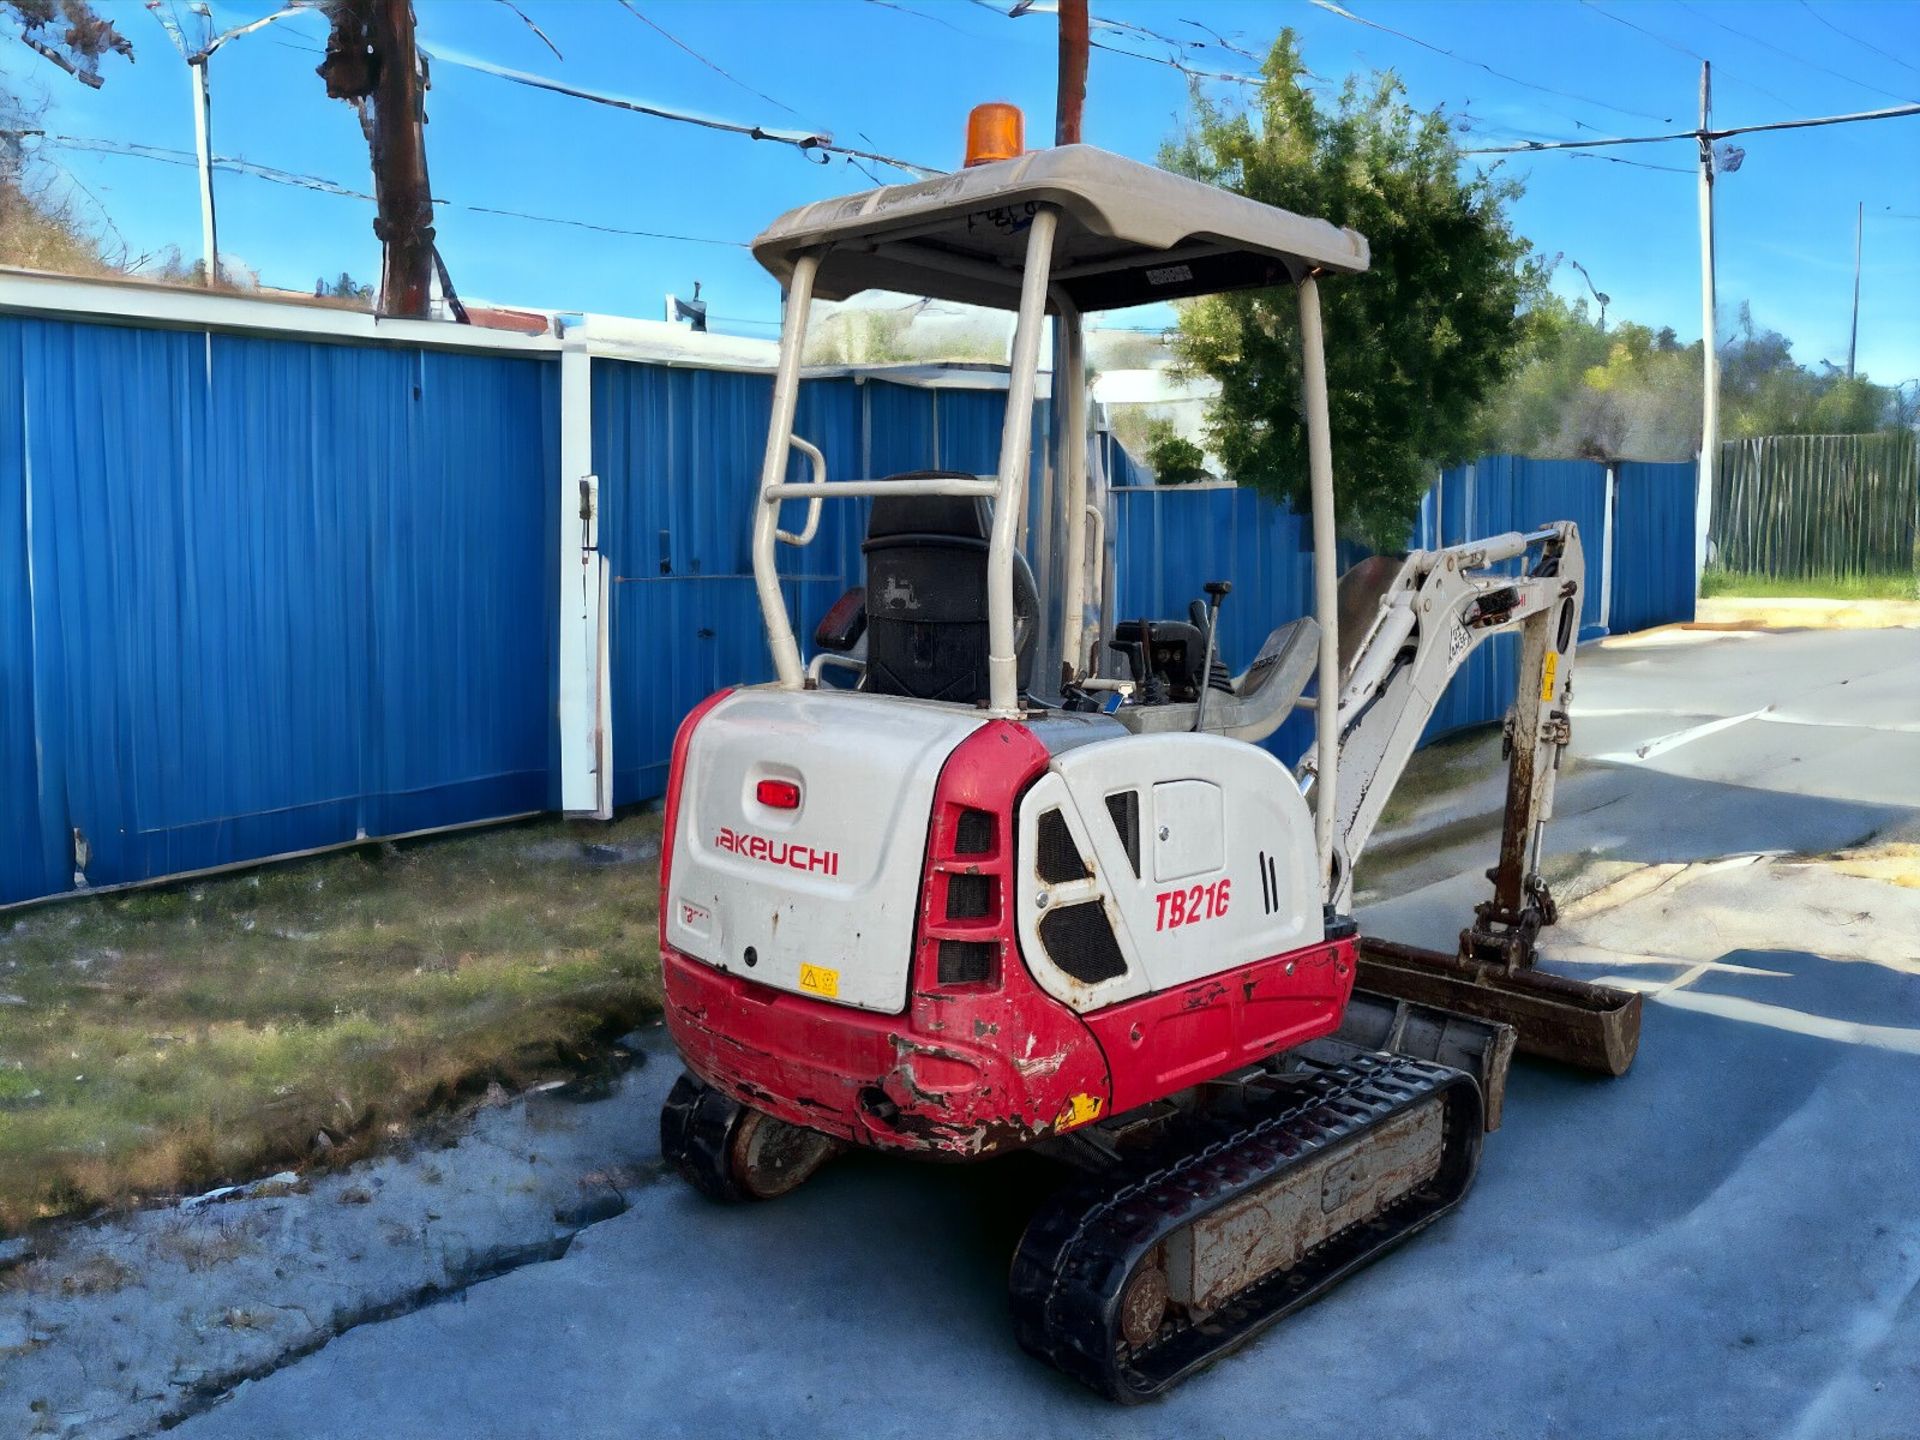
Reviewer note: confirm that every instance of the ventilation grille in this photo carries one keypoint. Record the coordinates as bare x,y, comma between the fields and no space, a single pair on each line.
1080,941
966,962
1059,859
1125,810
969,897
974,834
1269,884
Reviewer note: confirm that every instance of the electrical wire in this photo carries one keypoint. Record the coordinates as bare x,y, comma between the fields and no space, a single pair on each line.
1797,59
1622,160
634,11
527,20
1849,35
320,184
1192,72
1892,112
1334,9
806,141
922,15
1684,50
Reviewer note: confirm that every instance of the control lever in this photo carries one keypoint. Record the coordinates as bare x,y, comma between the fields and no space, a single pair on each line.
1152,689
1217,590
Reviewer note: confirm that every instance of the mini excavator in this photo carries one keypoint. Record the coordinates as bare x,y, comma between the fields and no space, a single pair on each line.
926,893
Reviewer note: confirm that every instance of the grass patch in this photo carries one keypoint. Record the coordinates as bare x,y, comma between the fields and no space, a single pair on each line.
1745,585
169,1040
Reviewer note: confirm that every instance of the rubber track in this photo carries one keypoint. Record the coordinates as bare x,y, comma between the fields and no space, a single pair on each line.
1078,1253
696,1126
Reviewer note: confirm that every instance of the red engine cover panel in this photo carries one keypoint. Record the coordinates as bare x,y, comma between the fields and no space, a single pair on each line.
1162,1043
983,1060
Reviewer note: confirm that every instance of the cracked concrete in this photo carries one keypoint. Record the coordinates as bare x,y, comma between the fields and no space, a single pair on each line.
135,1323
1721,1243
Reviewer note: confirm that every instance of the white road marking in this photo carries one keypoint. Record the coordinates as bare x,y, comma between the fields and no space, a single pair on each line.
1661,744
1594,955
1776,1017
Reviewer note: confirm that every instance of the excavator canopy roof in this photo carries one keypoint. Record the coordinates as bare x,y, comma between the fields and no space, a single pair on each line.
1130,234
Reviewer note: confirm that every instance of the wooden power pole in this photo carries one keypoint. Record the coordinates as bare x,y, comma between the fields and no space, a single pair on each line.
1073,72
373,61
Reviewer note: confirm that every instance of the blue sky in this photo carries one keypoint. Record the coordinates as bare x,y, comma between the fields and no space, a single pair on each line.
901,76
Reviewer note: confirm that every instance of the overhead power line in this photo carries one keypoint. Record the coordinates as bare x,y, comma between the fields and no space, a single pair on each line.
1849,35
921,15
1675,45
1892,112
324,186
806,141
1622,160
1177,46
1791,55
634,10
1334,9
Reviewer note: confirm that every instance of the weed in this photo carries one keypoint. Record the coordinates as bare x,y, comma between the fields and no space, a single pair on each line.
1897,586
216,1027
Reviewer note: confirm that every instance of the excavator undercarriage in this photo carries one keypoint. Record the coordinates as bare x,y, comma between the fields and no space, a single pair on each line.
1194,1232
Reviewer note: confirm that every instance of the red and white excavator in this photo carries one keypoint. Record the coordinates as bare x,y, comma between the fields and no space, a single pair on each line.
963,903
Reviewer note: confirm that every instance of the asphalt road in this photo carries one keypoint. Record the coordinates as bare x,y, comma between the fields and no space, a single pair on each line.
1723,1243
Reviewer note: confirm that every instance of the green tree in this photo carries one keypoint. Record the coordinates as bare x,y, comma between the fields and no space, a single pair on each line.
1414,346
1173,459
345,288
1852,405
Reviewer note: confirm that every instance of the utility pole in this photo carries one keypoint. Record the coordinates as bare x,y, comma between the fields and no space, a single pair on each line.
1853,337
197,58
1073,72
372,60
1710,361
203,150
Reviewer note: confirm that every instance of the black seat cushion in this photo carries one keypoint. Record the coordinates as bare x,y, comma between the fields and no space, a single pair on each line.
927,596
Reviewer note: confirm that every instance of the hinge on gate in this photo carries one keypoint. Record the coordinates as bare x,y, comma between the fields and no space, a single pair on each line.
1557,728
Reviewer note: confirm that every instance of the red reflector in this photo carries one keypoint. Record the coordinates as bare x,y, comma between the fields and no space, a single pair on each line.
778,794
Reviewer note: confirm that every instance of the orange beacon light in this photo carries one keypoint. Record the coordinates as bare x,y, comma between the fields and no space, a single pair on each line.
995,131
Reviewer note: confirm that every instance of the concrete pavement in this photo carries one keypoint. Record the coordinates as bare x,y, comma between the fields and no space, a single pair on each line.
1723,1243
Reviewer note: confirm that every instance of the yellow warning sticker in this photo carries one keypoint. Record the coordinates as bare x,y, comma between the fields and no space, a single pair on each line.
1551,668
818,980
1078,1111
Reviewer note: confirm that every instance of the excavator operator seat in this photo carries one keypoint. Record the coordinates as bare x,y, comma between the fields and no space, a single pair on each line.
926,596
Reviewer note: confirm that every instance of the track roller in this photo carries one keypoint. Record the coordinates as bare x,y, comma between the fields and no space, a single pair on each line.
1142,1275
731,1152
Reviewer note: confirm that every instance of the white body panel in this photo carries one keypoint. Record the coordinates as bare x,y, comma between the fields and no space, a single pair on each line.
1227,862
833,884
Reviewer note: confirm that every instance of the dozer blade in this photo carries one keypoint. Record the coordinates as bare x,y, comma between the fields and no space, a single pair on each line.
1482,1048
1143,1274
1594,1027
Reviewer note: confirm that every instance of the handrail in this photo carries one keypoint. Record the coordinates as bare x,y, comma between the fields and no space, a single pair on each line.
853,489
812,452
786,389
1016,429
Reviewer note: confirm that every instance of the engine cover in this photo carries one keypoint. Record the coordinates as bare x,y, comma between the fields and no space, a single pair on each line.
818,899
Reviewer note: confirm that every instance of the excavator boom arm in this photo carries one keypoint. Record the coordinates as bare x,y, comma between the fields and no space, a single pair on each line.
1424,620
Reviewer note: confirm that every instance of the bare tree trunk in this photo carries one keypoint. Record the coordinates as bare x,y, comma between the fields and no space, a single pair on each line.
373,61
1073,72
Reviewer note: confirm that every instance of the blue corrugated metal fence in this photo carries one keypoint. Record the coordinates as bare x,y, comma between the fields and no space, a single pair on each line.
1654,515
277,595
261,595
